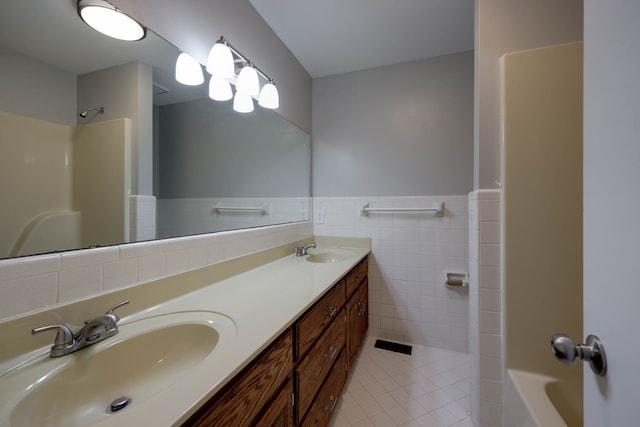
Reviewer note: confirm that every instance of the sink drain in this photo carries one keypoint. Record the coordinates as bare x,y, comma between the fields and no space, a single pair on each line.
118,404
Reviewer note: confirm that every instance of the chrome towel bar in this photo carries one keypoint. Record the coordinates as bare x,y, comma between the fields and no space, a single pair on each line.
438,210
264,210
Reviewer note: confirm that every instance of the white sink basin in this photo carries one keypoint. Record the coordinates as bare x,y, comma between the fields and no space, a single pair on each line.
146,358
323,257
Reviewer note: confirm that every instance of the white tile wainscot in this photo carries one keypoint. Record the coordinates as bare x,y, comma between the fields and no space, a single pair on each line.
410,254
142,218
38,282
485,308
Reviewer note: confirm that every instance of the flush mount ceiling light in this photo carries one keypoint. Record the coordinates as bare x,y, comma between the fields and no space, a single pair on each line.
104,17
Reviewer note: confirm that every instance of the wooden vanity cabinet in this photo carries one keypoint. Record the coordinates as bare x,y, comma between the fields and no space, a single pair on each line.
312,370
357,320
355,277
313,323
318,376
325,402
280,412
299,378
249,393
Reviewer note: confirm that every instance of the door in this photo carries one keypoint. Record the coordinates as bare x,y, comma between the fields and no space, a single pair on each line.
612,208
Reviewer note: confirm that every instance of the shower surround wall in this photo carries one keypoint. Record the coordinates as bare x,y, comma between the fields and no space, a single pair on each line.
86,170
408,299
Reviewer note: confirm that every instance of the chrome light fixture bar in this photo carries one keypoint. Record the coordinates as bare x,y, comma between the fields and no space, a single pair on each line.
247,84
107,19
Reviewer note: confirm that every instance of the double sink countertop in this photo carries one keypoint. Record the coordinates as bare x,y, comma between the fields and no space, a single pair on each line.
170,358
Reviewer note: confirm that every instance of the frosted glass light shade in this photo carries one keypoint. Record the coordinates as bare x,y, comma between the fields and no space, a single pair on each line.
104,17
219,89
242,102
248,81
269,97
188,70
220,61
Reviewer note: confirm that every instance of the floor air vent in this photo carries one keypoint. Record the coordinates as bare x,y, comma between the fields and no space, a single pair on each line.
393,346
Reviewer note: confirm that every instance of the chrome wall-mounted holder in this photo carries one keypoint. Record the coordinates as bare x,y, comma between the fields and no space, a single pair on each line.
566,351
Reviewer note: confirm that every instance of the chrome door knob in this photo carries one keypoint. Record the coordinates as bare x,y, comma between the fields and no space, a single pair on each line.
566,351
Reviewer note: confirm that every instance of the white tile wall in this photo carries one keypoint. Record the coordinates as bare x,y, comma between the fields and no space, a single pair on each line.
37,282
410,254
197,214
485,308
474,310
142,218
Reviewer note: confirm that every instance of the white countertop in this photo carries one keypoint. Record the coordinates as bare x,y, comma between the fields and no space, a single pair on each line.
258,306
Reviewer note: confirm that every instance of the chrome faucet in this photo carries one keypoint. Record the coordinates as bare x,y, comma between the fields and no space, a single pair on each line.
92,332
302,250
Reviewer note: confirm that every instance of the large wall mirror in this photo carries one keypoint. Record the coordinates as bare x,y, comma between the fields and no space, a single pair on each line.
148,158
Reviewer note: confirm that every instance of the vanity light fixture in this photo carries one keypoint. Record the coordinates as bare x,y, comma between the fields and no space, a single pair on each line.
104,17
188,70
269,96
242,102
248,81
219,89
222,62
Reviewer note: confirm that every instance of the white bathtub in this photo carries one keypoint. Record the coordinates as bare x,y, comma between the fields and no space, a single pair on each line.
532,400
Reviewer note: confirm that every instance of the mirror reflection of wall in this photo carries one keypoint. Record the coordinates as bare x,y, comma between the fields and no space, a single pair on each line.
72,183
209,155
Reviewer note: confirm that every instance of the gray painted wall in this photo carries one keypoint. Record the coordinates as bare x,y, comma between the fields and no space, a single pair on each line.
35,89
504,26
208,150
194,25
399,130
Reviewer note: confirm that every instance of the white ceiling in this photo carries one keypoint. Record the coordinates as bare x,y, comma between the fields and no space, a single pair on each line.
337,36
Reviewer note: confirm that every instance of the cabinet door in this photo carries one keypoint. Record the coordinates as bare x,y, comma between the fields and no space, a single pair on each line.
280,411
353,328
363,310
355,276
246,395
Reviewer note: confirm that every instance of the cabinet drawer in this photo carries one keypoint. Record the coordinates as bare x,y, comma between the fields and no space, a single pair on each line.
316,365
311,325
356,275
245,396
326,401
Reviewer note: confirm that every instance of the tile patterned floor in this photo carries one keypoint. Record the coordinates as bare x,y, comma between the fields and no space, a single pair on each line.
430,388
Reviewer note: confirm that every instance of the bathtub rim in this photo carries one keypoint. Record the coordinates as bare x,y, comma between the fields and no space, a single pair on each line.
530,389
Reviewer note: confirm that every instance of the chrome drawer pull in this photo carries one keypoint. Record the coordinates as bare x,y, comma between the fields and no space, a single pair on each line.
332,311
363,307
333,405
333,350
